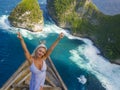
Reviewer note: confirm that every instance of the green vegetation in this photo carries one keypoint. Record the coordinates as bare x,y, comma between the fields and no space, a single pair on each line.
26,10
61,6
85,19
108,37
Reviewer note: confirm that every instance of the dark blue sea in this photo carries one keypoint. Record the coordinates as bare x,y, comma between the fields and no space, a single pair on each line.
72,57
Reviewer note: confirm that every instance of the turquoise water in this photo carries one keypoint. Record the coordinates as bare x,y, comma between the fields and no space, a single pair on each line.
72,57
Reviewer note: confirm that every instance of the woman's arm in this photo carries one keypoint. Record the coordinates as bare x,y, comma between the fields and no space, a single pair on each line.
26,52
49,51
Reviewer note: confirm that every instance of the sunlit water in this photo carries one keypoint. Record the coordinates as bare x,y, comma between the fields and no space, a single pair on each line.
72,57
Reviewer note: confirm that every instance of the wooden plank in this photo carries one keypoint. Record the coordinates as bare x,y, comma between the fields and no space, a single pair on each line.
57,74
52,78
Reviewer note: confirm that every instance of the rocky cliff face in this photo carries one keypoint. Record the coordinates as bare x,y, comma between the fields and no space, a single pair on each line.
64,13
84,19
28,15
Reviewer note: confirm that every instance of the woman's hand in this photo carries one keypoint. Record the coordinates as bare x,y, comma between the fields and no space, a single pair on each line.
61,35
19,36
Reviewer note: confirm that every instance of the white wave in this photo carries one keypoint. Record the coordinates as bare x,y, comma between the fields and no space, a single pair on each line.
28,34
4,23
82,79
48,28
94,63
107,73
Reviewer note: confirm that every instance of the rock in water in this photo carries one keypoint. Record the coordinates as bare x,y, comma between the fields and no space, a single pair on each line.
28,15
82,79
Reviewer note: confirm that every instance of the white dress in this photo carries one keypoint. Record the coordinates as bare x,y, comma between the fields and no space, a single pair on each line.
37,76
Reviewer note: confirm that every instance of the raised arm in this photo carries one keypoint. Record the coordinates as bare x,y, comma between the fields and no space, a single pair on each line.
26,52
49,51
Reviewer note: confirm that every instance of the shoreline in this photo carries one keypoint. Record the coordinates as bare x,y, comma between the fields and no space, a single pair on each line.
116,61
95,17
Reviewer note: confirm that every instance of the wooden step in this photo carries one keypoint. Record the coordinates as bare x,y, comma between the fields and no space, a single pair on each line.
52,88
26,87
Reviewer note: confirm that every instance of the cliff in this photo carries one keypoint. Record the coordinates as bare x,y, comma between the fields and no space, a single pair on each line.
27,14
83,19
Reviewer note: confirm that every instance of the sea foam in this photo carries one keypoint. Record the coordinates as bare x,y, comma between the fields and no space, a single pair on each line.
107,73
4,23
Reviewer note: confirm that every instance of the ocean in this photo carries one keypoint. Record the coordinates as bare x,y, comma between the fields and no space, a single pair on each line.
73,56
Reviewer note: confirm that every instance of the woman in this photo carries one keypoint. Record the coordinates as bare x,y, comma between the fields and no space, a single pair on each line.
37,62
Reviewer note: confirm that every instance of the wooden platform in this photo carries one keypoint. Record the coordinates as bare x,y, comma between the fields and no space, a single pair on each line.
20,79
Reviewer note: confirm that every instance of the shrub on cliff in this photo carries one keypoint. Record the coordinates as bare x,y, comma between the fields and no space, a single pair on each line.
27,14
83,18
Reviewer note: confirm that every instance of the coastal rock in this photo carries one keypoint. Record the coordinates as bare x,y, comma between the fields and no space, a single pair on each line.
27,14
84,19
78,8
